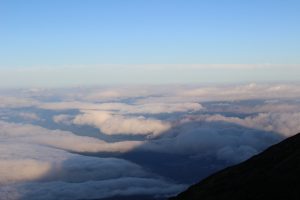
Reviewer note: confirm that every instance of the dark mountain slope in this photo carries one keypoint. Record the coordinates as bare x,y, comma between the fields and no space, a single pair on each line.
272,174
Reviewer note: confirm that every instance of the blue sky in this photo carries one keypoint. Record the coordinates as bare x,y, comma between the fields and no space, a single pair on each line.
71,36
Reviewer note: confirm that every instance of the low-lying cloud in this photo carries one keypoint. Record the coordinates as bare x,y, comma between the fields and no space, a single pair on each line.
122,108
111,124
89,190
287,124
224,141
50,146
240,92
11,132
35,161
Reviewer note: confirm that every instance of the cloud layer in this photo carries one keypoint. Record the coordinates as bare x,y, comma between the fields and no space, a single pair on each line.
34,161
224,141
85,143
287,124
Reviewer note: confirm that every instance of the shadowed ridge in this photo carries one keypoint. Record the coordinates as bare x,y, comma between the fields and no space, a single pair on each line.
272,174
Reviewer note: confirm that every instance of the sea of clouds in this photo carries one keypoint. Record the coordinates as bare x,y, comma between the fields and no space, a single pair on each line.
101,142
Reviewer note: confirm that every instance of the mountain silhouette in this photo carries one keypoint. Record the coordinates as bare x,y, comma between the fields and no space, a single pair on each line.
272,174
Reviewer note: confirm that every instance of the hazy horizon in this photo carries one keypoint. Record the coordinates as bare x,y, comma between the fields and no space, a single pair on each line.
71,43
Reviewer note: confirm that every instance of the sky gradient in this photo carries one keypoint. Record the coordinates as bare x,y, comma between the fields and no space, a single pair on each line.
108,42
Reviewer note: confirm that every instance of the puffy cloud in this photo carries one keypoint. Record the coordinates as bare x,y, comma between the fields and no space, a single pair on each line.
222,140
30,171
63,119
16,170
287,124
255,106
24,161
35,161
112,124
230,93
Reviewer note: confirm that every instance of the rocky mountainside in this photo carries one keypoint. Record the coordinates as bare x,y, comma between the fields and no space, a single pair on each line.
272,174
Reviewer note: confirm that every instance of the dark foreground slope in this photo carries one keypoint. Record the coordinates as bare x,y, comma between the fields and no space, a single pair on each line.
272,174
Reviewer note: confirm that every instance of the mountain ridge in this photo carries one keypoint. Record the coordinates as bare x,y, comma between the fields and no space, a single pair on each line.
272,174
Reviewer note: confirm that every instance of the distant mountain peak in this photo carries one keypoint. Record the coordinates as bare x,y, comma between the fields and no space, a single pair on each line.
272,174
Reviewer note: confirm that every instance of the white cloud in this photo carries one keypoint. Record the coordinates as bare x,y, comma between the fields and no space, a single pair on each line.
16,170
239,92
286,124
34,160
148,108
24,161
31,171
61,139
112,124
63,119
155,108
35,164
193,136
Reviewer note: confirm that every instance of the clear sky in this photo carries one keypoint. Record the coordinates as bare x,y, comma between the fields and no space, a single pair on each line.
144,41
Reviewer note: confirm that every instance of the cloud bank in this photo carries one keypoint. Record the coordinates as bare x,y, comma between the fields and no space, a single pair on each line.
287,124
60,139
35,161
224,141
50,139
